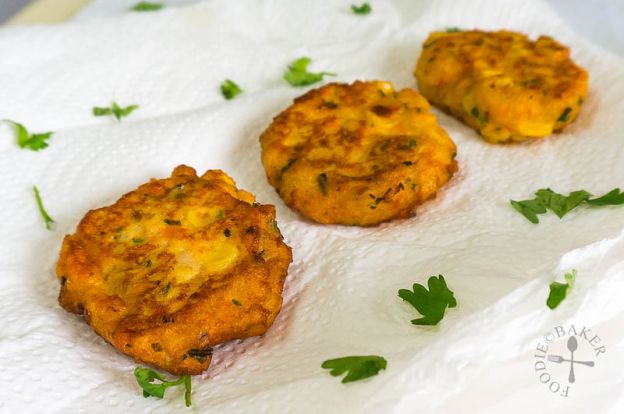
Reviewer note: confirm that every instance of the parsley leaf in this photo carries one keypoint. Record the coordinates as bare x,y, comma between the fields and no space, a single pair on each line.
146,6
46,217
561,205
358,367
613,197
229,89
453,29
298,75
431,304
365,8
564,115
25,139
529,209
559,291
115,110
147,380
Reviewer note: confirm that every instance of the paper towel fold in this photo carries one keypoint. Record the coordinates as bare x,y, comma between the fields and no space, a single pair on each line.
340,297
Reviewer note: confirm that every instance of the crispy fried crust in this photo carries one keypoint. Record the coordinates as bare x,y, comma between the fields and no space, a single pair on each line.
175,267
502,84
357,154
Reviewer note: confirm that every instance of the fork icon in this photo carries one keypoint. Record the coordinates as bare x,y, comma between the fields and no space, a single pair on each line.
558,359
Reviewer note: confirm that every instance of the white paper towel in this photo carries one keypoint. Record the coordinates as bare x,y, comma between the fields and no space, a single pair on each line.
340,297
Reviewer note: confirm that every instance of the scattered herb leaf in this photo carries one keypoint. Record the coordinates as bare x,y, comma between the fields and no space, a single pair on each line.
357,367
229,89
564,114
25,139
288,165
613,197
148,378
453,29
115,110
200,354
561,205
481,116
322,182
46,217
431,304
559,291
146,6
529,209
297,73
364,9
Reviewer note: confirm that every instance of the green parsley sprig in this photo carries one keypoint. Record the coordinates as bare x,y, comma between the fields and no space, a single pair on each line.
363,9
155,384
26,140
357,367
46,217
229,89
297,73
143,6
559,291
546,199
453,30
432,303
115,110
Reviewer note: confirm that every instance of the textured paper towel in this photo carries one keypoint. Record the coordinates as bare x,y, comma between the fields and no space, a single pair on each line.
599,20
340,297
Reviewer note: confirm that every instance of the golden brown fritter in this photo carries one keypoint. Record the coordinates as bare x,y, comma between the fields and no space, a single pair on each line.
175,267
357,154
502,84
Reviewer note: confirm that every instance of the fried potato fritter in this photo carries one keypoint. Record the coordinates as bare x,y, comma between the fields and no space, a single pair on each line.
175,267
357,154
502,84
